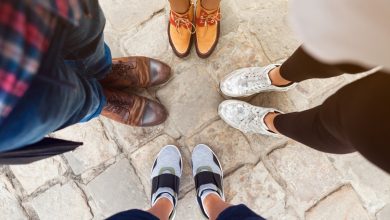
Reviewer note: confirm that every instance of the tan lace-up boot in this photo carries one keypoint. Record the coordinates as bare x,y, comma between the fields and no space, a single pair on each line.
207,30
180,30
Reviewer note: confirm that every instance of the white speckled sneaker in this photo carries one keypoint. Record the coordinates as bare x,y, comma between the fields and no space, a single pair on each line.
249,81
245,117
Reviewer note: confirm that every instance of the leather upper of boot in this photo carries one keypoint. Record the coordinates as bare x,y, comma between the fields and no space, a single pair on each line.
181,28
132,109
136,72
207,24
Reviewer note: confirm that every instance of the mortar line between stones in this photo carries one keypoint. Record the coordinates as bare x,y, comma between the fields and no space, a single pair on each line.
85,197
156,13
135,170
327,195
19,191
108,136
262,47
278,180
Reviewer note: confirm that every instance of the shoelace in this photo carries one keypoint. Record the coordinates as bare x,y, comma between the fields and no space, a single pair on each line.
211,18
254,81
183,21
252,121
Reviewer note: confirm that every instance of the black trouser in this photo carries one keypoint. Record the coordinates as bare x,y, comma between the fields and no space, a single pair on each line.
355,118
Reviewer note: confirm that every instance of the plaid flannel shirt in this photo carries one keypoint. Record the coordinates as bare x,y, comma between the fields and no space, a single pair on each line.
26,29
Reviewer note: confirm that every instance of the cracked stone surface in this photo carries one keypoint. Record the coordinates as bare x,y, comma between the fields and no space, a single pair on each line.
116,189
262,193
307,174
276,177
62,202
41,172
342,204
9,204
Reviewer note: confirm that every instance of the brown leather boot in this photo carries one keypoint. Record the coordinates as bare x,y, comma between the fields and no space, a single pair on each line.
136,72
133,110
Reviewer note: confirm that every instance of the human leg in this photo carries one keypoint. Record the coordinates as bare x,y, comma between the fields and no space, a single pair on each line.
354,118
159,211
208,177
181,27
211,4
301,66
166,173
54,100
298,67
207,26
180,6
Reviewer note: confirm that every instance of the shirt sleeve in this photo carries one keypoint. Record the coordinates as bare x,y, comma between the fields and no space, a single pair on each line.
25,33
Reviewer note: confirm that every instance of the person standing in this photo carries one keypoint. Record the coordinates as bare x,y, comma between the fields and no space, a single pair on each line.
208,177
203,22
357,116
56,70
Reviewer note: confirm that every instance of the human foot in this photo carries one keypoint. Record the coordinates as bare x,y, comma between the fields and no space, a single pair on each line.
245,117
180,30
136,72
132,109
207,29
166,173
252,80
208,175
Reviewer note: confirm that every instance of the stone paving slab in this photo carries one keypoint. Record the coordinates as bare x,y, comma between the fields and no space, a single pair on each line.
129,139
124,15
342,204
9,205
41,172
116,189
371,183
277,177
97,147
256,187
229,144
62,202
188,208
143,160
384,214
305,173
191,99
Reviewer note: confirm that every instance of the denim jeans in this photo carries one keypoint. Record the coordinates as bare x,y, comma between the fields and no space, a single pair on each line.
69,93
240,212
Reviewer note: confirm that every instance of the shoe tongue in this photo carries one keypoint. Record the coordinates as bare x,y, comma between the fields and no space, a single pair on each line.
166,172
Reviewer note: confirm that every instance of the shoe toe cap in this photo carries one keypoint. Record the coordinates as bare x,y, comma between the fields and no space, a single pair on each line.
160,72
154,114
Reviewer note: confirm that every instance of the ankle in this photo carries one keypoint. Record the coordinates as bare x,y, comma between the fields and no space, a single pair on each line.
162,209
269,121
276,78
180,6
210,4
214,206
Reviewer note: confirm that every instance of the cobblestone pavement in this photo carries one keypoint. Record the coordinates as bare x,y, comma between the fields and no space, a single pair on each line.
278,178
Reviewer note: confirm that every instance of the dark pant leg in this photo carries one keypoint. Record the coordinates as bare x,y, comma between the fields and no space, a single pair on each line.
357,117
241,212
134,214
302,66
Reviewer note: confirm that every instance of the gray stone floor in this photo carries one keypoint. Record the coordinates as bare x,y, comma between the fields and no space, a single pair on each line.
278,178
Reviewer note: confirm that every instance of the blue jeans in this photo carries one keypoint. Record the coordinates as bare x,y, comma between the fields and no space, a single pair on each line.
68,94
238,212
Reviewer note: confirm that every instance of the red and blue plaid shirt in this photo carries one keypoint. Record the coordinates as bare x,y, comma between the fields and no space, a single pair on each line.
26,30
